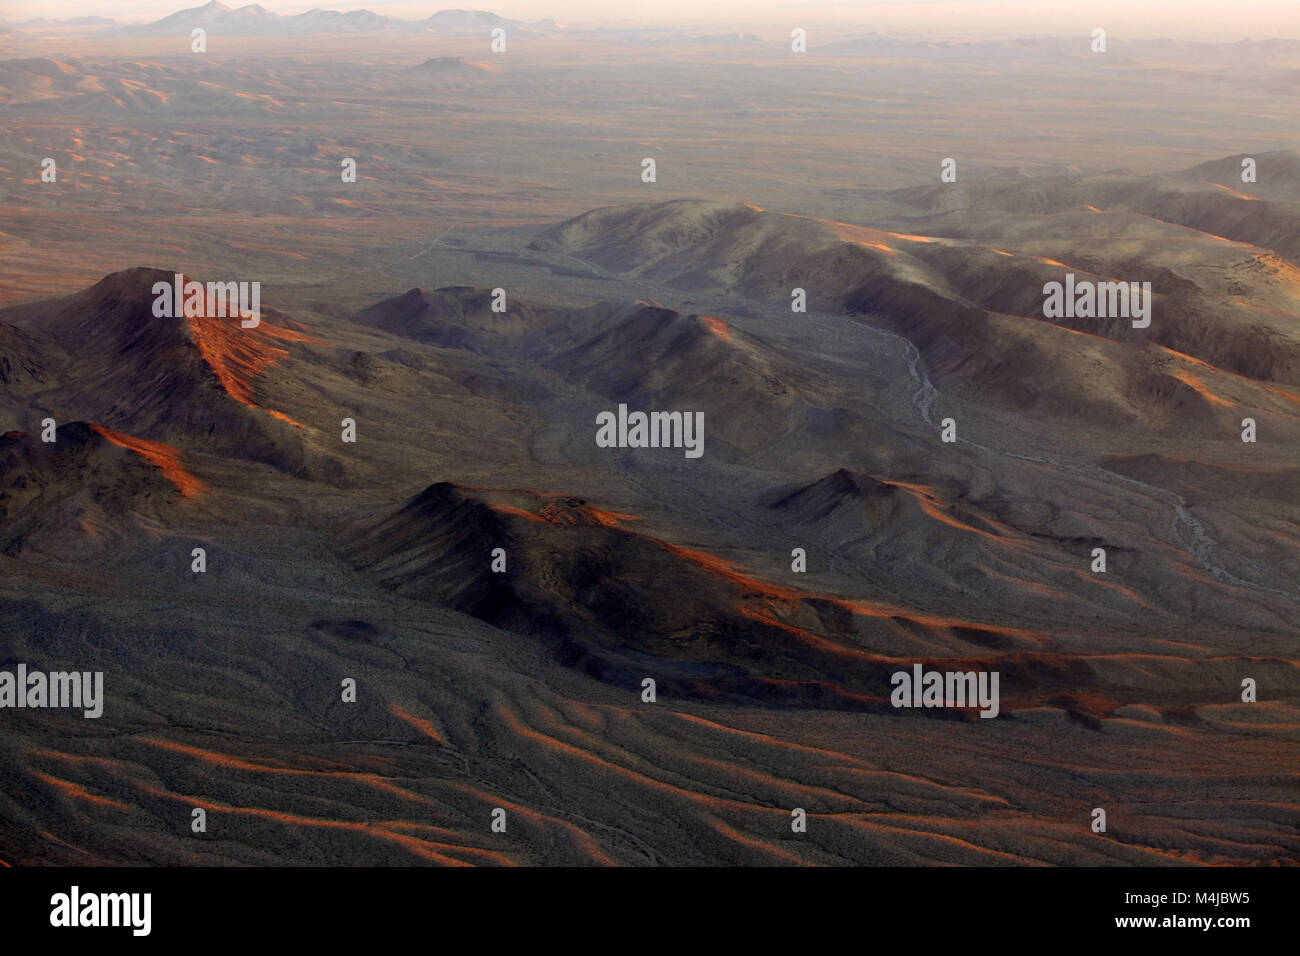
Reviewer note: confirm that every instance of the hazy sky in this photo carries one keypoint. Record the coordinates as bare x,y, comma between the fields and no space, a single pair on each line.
1183,19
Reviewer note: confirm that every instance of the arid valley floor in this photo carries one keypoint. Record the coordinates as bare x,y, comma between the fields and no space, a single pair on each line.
372,560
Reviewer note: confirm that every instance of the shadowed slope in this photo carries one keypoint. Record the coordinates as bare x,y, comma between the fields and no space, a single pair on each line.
85,489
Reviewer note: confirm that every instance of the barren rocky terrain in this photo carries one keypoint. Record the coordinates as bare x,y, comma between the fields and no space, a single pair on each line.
485,178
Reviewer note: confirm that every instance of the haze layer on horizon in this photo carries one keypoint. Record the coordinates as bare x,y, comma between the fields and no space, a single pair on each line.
1173,19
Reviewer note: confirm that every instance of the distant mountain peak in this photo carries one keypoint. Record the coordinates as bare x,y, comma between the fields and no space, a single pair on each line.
255,19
